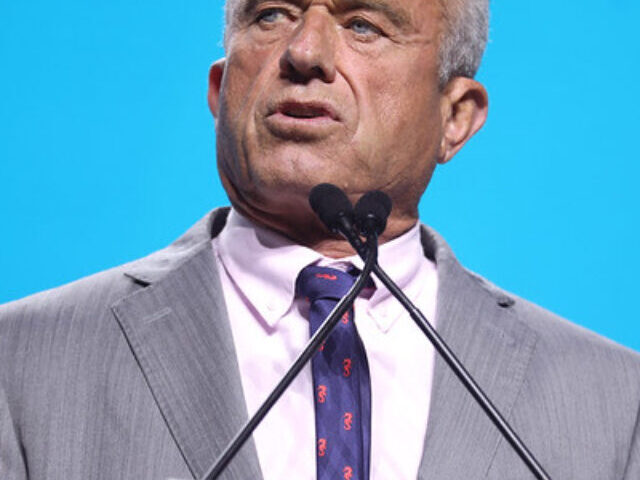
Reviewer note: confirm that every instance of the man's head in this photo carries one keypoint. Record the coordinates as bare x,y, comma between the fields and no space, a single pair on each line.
361,93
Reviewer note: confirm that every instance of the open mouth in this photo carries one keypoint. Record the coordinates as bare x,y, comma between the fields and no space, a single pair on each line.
295,120
305,111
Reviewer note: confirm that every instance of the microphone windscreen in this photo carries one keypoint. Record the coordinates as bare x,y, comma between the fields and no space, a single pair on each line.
330,204
373,207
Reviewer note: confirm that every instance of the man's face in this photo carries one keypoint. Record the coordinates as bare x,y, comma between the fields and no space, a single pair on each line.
339,91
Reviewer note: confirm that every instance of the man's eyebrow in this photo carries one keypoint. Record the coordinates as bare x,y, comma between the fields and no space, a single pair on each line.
245,7
398,16
248,6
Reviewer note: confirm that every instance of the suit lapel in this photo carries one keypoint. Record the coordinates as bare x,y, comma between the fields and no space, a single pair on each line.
482,330
179,331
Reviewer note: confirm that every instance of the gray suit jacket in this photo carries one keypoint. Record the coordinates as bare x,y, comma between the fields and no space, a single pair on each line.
131,374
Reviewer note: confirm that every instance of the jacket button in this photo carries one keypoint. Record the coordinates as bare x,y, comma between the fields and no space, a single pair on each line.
505,301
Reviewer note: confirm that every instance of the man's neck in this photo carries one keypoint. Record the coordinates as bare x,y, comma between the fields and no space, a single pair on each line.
304,228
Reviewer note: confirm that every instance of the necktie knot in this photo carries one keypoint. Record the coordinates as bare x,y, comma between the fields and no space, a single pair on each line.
317,283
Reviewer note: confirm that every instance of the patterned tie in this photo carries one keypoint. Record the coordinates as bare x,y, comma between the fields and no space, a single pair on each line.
340,380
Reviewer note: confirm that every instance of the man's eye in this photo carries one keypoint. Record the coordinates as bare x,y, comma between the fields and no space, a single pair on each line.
270,15
362,27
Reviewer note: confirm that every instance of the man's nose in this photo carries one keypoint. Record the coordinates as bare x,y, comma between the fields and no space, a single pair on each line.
311,50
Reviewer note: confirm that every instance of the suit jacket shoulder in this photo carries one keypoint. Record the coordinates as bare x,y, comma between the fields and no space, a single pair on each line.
568,338
119,375
572,395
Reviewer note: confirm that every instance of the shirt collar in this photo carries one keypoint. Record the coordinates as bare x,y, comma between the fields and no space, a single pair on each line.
404,261
264,266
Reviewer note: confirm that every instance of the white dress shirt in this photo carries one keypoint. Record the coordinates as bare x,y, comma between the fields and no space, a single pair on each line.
258,277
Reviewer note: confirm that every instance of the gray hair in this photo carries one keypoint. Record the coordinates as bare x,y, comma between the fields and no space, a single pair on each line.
463,40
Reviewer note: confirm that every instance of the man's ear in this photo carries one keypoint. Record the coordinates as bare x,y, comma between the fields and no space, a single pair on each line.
215,82
464,110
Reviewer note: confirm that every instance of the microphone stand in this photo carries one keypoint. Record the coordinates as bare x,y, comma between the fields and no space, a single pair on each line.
371,259
450,358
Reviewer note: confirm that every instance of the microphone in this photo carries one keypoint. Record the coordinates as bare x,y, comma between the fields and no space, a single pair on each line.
332,206
371,214
336,211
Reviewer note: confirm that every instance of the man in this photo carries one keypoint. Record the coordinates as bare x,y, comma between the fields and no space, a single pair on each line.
148,370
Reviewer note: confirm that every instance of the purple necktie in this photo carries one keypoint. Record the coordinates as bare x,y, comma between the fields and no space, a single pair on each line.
340,380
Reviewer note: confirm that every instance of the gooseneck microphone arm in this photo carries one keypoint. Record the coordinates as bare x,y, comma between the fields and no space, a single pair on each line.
371,258
371,213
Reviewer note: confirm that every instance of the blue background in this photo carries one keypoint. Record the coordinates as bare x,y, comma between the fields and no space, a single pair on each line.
107,148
